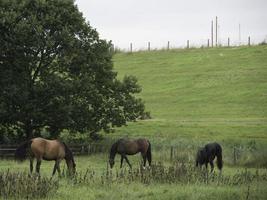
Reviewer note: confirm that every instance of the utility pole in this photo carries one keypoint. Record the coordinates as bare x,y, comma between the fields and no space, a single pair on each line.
239,34
211,33
216,31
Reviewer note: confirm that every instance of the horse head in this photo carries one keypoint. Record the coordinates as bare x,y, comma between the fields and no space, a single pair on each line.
201,156
71,165
111,162
70,160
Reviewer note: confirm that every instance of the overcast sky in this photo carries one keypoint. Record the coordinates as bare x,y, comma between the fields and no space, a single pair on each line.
160,21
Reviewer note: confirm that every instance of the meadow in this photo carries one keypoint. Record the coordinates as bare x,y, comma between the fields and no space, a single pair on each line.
176,179
201,94
195,96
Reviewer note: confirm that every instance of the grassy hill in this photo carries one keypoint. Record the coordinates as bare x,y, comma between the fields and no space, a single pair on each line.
206,94
194,96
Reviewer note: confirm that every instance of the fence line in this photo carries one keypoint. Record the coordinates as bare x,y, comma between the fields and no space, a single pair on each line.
209,44
172,152
8,151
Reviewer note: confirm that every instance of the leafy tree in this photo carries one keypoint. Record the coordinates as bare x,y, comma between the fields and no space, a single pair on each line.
56,73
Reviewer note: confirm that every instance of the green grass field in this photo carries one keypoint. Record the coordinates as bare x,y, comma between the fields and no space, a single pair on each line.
100,187
195,96
200,94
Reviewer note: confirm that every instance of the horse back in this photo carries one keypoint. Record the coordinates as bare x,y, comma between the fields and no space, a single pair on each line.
128,147
47,149
131,147
143,144
213,149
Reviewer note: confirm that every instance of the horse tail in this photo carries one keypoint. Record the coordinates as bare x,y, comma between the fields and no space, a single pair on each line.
219,157
196,161
21,151
149,155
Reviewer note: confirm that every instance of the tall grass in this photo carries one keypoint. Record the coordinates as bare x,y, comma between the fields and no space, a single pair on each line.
178,173
20,185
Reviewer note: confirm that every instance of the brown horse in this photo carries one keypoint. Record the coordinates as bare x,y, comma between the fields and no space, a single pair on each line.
130,147
43,149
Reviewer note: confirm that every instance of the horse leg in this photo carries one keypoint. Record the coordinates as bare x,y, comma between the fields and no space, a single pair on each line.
58,168
38,164
31,164
121,161
206,165
128,161
144,159
211,166
55,167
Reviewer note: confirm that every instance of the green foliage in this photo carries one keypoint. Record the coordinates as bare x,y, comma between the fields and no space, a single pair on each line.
56,73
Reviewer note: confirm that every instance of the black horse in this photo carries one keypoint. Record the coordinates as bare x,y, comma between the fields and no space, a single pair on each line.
207,154
130,147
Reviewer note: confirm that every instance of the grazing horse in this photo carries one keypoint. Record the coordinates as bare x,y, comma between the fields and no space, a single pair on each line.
207,154
130,147
43,149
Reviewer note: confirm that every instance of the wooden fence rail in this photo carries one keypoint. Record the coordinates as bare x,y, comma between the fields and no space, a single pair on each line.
172,152
8,151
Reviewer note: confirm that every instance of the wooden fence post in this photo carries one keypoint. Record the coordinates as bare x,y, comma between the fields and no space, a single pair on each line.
131,47
148,48
82,150
168,45
248,40
188,44
171,153
234,155
88,149
228,42
208,45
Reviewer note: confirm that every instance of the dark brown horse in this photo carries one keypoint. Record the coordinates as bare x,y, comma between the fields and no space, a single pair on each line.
43,149
130,147
208,153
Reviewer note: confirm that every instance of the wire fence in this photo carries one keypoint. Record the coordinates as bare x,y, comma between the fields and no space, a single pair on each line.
232,155
187,45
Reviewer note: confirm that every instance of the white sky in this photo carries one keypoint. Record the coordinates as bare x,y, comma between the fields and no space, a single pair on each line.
160,21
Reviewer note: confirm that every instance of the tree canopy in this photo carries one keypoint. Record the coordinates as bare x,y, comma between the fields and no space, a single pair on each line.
56,73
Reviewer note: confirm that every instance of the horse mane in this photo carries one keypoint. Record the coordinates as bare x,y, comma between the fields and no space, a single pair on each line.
68,152
199,156
113,149
21,151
